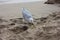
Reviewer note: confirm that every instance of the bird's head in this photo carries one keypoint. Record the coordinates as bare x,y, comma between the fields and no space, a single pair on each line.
31,20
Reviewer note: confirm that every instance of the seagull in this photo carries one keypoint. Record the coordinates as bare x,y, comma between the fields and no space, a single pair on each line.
27,16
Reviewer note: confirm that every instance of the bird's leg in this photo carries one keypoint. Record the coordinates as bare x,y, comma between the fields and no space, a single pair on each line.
33,25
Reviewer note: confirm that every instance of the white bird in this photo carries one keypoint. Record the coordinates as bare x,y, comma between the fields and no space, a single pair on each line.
27,15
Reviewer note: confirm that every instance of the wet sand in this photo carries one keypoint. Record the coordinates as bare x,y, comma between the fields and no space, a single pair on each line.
38,9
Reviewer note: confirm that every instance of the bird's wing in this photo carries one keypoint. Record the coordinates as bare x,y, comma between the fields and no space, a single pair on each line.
26,13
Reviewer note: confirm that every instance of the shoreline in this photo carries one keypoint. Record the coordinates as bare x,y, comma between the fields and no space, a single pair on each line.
6,3
14,2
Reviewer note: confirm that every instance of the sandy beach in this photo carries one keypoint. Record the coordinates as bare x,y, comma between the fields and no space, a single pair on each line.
46,20
46,28
37,9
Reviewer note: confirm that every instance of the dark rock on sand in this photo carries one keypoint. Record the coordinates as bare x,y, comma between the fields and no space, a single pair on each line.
48,3
52,1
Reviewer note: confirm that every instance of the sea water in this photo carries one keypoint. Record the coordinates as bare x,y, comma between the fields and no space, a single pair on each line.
17,1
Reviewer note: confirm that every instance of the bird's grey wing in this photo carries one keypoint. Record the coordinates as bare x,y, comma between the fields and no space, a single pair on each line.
26,13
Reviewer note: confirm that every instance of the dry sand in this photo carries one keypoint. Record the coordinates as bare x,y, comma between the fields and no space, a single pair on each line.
47,28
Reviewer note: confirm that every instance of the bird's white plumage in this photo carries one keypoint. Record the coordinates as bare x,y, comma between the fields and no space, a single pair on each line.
27,15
